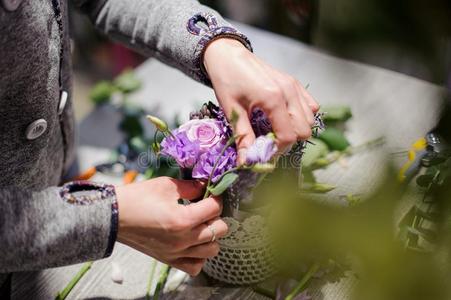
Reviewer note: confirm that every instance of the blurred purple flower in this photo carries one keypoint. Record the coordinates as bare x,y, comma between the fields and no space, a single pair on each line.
206,162
261,150
180,148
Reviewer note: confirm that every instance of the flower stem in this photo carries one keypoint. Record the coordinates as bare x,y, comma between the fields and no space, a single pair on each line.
300,287
65,292
151,276
161,282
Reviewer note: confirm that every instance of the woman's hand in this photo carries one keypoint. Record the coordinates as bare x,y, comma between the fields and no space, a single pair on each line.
152,221
242,82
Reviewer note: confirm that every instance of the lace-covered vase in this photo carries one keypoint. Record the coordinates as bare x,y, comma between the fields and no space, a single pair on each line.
245,256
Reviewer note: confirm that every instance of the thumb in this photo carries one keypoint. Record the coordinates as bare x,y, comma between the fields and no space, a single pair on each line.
204,210
189,189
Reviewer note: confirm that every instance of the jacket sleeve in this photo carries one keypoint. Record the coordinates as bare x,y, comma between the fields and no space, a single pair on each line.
174,31
57,226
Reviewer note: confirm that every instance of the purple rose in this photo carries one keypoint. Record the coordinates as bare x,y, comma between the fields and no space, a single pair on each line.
261,150
180,148
207,160
206,132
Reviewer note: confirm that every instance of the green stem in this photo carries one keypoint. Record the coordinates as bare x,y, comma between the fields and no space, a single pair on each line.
155,136
151,276
65,292
161,282
300,287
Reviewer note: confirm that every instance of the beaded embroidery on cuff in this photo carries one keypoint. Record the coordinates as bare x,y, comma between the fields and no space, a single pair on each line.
210,32
86,193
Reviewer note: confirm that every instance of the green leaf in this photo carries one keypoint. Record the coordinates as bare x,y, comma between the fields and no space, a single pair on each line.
65,292
226,181
127,82
334,139
336,113
101,92
313,152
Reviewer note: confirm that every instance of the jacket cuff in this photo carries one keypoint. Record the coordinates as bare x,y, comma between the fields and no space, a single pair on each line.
205,25
87,193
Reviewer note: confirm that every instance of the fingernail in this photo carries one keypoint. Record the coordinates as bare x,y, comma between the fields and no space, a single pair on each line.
201,183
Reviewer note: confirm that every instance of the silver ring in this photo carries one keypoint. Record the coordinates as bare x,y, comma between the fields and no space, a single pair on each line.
213,233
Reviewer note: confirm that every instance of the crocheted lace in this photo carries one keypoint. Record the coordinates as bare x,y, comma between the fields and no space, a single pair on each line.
245,256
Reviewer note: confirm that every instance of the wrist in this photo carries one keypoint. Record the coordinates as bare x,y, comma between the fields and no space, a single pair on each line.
220,48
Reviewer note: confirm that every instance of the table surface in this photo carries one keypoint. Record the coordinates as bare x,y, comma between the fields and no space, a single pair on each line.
383,102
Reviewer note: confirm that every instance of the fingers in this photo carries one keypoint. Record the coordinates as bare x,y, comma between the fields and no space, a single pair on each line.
314,106
202,234
189,189
301,115
204,210
243,130
276,109
206,250
302,100
192,266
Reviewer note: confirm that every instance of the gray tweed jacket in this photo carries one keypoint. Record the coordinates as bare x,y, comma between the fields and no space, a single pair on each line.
43,225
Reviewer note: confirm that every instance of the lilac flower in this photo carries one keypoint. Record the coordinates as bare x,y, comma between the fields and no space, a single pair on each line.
261,150
180,148
207,160
260,122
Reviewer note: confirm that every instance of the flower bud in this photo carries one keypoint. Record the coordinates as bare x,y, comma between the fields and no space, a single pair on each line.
156,147
159,124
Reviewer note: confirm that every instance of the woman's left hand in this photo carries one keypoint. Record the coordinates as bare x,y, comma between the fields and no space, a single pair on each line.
243,82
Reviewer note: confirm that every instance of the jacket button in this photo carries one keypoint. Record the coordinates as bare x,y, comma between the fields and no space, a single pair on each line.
36,129
11,5
62,103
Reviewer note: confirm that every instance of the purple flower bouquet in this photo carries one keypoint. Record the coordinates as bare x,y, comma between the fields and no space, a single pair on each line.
204,148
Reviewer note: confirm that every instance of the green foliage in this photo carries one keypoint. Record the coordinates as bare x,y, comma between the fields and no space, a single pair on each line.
334,139
127,82
225,181
313,151
336,114
101,92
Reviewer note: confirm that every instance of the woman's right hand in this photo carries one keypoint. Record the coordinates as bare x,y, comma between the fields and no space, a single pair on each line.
152,221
